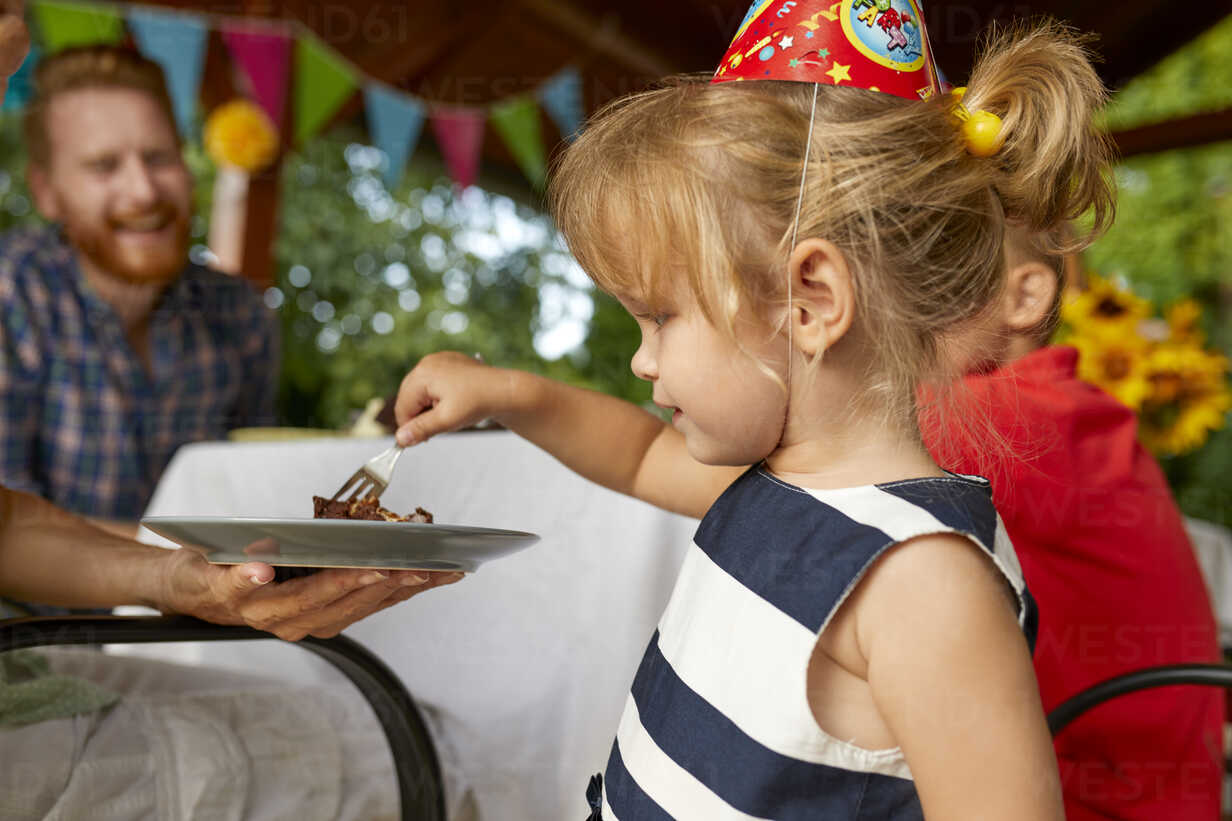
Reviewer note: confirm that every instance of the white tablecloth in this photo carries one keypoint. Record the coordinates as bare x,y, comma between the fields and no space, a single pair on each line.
1213,545
524,666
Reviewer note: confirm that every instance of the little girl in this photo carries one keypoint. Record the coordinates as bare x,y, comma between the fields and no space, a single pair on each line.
849,637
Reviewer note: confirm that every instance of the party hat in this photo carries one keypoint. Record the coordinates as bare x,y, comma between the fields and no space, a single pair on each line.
880,45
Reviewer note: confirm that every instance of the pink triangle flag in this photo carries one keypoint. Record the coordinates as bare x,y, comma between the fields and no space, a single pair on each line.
263,55
459,134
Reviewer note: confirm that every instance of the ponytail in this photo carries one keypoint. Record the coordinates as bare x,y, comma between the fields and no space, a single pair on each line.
1054,165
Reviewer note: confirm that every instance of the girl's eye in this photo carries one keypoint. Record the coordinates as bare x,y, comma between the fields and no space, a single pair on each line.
660,319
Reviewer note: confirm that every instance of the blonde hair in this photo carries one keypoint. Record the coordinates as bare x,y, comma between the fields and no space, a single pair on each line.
84,67
696,184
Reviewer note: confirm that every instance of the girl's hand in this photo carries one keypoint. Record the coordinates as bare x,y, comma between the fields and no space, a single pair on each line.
447,391
322,604
609,441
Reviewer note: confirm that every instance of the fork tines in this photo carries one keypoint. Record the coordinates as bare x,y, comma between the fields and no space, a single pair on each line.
365,486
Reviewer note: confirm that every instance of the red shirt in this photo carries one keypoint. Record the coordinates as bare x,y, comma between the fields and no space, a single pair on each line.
1104,552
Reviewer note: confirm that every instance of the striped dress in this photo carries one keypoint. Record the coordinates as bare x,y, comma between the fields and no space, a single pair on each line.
713,728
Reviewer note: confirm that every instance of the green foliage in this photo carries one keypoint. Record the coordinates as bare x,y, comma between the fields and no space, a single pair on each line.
1173,232
1191,80
16,206
371,280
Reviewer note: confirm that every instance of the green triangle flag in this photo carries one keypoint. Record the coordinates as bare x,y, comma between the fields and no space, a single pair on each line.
323,81
64,25
517,120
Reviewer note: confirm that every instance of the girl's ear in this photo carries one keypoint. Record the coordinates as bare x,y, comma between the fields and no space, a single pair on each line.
822,297
1030,289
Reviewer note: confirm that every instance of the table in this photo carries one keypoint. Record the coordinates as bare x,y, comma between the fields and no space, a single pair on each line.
522,668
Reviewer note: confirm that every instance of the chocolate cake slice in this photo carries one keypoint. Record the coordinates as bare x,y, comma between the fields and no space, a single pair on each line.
366,508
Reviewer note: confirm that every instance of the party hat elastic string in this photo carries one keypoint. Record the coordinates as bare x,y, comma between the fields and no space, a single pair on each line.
808,150
795,231
878,45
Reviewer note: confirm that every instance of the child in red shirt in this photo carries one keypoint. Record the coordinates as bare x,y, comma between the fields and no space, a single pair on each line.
1105,554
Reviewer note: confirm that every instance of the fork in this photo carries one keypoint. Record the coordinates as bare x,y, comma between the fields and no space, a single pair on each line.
373,477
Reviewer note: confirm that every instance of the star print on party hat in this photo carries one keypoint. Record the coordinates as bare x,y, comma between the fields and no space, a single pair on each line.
880,45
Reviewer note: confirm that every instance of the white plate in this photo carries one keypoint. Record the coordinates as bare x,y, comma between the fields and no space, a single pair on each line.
342,542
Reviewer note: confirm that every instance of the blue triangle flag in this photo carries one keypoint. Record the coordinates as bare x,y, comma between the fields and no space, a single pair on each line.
562,98
177,43
21,84
394,122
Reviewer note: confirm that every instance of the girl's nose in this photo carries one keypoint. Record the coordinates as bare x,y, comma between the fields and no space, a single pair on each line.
644,364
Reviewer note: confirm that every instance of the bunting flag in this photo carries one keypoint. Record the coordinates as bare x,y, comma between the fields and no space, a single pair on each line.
64,25
517,120
21,84
562,97
394,121
177,43
322,83
459,134
262,55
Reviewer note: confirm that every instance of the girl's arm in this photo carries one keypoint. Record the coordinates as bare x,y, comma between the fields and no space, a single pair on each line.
951,674
607,440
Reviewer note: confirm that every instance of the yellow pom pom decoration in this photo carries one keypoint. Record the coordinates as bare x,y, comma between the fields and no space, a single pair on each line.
240,134
982,130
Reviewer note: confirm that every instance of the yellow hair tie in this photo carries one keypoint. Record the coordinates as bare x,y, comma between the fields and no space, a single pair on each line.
981,129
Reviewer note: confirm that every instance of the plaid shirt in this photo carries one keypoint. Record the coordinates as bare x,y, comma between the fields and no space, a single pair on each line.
82,423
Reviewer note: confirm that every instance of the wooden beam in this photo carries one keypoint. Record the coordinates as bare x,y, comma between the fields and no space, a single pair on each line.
601,35
261,227
1183,132
402,61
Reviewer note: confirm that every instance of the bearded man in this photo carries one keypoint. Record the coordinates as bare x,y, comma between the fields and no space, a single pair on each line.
114,348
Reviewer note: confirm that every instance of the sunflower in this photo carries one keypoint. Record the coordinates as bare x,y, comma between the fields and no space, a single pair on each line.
1155,365
1183,317
1115,359
1185,426
1103,304
1189,397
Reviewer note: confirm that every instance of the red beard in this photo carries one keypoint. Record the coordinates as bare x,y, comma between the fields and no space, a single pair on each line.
160,262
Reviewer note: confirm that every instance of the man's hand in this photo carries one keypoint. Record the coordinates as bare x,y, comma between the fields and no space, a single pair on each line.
320,605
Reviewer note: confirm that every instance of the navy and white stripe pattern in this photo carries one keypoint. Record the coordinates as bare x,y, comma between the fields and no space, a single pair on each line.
709,730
